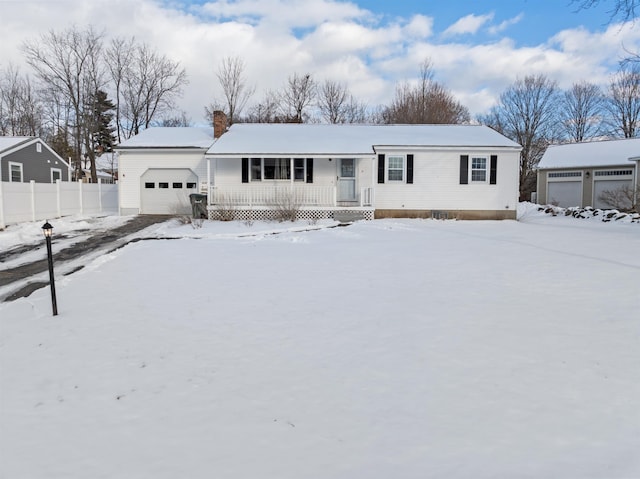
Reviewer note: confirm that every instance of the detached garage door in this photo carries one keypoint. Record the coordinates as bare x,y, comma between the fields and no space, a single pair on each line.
609,185
166,191
564,188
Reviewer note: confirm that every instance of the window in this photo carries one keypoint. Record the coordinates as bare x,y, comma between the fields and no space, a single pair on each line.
39,147
256,169
190,185
177,186
56,174
479,169
149,185
298,169
163,185
565,174
259,169
277,169
614,173
15,172
396,168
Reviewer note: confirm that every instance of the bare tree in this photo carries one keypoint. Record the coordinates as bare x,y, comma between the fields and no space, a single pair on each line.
234,87
425,102
21,112
355,111
119,58
527,113
69,64
176,120
581,111
265,111
624,198
332,101
151,84
296,97
624,9
623,103
146,85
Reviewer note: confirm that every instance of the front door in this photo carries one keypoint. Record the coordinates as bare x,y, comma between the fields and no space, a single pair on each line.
347,179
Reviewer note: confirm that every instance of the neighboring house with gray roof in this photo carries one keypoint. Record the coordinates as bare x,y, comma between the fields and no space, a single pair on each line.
580,174
24,159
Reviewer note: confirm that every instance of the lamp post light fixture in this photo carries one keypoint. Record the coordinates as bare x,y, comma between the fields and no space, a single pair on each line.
47,229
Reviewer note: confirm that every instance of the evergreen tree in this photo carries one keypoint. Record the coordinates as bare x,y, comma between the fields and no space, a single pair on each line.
102,136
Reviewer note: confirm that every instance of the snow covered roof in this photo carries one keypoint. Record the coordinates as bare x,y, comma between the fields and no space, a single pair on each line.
591,154
170,137
292,139
8,142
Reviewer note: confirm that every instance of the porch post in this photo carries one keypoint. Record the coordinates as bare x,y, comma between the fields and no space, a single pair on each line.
291,172
208,181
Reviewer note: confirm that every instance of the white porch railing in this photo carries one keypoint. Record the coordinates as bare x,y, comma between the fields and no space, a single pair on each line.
300,195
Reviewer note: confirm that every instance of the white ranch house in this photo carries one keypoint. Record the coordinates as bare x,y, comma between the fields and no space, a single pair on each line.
325,171
576,174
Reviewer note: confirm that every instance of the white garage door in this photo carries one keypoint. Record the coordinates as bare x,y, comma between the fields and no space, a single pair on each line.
565,193
166,191
611,186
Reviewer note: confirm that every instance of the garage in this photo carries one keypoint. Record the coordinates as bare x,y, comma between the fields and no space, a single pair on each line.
564,188
166,191
612,181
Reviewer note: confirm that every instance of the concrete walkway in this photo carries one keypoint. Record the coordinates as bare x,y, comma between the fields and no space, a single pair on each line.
26,276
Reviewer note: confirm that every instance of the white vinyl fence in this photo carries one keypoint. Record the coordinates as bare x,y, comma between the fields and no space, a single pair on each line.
39,201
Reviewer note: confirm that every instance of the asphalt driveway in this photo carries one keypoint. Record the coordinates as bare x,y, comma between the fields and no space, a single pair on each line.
28,277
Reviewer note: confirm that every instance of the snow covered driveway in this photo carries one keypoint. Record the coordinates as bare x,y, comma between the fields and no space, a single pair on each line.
391,348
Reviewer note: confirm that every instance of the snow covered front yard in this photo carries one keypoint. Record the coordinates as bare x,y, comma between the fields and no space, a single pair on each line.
386,349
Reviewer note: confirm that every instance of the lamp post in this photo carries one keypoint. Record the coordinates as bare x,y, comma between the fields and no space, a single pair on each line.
47,229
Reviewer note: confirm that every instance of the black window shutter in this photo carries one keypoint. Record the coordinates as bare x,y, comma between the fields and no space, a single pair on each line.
309,170
409,168
245,170
464,169
380,168
493,172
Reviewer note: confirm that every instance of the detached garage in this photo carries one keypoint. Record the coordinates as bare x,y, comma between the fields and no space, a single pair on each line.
159,168
588,174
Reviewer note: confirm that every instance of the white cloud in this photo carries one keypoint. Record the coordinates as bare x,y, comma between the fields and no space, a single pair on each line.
329,39
420,26
468,24
502,26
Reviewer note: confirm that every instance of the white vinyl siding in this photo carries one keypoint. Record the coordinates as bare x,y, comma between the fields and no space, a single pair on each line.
133,164
436,182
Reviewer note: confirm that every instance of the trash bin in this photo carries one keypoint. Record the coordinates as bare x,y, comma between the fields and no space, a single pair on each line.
198,205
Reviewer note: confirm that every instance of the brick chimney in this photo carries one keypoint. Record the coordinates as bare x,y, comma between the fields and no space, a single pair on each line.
220,124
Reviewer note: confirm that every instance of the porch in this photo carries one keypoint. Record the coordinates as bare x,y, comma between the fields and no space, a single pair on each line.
273,202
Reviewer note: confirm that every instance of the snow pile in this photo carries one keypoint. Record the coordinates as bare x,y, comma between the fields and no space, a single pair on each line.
592,213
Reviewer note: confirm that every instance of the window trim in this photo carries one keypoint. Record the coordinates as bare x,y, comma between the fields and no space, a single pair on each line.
58,170
257,176
402,169
485,169
564,175
20,167
39,147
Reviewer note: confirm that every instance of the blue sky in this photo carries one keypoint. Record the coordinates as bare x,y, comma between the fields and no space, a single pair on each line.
537,20
477,48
